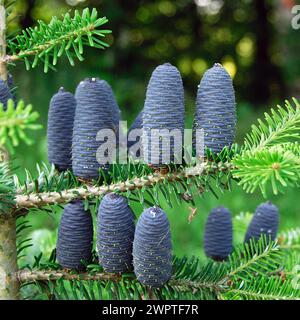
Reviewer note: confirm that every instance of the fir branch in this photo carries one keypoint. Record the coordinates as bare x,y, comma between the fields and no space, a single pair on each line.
51,41
277,167
256,257
262,288
53,275
175,289
44,175
270,155
246,276
135,184
25,276
281,126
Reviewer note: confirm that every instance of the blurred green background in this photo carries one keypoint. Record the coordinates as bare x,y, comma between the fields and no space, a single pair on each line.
253,39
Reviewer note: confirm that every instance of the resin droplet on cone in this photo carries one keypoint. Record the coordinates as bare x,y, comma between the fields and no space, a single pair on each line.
115,232
163,109
215,110
60,129
152,248
264,222
218,234
75,236
93,113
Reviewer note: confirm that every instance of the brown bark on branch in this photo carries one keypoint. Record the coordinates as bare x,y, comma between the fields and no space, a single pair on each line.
36,200
24,276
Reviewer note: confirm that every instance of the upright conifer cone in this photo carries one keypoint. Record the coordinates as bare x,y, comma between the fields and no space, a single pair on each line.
215,109
115,232
152,248
75,236
60,129
163,109
5,93
93,113
264,222
218,234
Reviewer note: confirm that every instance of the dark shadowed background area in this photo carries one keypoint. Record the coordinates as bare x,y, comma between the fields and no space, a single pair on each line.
253,39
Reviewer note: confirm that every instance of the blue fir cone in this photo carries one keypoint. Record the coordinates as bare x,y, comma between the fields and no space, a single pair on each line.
5,93
93,113
60,129
137,124
152,248
218,234
215,109
163,109
75,236
264,222
115,232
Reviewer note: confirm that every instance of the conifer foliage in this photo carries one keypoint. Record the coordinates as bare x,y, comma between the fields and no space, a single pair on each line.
134,258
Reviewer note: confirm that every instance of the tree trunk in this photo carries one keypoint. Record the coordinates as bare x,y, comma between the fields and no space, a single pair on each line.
3,68
9,286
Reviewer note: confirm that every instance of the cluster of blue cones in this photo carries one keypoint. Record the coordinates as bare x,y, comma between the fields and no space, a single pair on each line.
218,230
73,124
74,121
146,247
121,247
